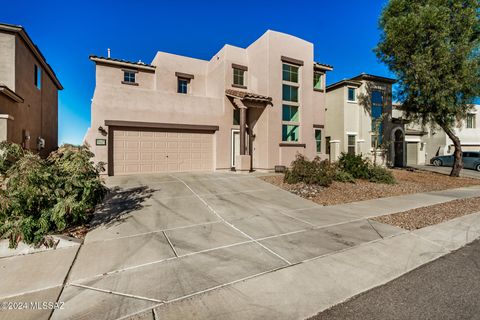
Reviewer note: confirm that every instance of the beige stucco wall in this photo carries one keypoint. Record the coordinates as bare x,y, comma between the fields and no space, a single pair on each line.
7,60
156,99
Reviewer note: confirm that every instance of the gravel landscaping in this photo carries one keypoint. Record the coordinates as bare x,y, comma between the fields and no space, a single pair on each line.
408,182
427,216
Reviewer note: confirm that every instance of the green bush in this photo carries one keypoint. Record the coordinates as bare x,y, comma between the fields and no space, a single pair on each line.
343,176
10,153
42,196
381,175
310,172
355,165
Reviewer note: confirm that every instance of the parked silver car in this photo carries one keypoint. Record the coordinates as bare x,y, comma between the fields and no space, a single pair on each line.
471,160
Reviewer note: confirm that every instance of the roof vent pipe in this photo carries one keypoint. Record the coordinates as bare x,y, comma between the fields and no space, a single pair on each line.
108,52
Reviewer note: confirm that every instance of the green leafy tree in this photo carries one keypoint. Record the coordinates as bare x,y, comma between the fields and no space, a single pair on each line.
433,48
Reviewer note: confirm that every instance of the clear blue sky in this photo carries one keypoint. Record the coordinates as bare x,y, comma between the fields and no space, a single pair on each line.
67,32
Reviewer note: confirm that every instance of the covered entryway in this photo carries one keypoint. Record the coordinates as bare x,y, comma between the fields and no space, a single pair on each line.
243,139
149,149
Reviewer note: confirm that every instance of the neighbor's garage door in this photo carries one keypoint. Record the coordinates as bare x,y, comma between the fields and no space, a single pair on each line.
146,151
412,153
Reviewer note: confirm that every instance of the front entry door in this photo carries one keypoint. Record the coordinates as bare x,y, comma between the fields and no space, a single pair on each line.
236,145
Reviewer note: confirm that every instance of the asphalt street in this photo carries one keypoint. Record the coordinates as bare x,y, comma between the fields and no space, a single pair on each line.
447,288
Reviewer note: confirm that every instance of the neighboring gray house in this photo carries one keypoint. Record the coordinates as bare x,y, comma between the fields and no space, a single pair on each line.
353,107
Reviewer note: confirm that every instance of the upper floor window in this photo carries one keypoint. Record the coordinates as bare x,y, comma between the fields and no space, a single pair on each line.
37,80
182,86
238,77
471,121
129,76
318,80
290,73
352,94
290,93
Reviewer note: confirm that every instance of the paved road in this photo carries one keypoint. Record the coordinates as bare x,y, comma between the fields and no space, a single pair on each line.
448,288
467,173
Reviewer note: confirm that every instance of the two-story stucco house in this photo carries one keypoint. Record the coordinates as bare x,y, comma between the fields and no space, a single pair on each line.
245,108
28,93
425,142
359,120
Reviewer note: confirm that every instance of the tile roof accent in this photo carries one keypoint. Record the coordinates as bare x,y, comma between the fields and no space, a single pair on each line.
16,29
121,62
323,66
247,95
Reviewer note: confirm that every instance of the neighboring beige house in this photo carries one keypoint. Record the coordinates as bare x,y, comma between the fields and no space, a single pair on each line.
245,108
424,143
28,93
353,107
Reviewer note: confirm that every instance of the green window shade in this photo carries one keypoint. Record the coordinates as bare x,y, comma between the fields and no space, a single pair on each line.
236,117
290,93
290,73
290,133
290,113
317,80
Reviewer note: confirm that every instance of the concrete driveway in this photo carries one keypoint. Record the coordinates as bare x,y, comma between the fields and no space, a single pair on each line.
163,238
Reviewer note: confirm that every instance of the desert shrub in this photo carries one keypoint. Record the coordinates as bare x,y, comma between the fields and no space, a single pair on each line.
343,176
310,172
381,175
355,165
42,196
9,154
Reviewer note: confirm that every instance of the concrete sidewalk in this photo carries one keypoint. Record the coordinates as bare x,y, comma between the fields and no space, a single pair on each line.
305,289
163,242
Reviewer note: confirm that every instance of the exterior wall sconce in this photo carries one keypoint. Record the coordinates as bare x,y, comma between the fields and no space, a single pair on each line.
102,131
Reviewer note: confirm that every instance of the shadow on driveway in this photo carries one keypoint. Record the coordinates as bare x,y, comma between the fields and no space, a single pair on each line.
118,203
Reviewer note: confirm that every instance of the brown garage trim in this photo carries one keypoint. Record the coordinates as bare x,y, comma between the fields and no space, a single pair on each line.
292,61
318,126
292,144
157,125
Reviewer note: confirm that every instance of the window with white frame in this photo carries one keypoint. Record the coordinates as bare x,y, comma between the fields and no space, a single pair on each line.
318,80
129,76
182,85
238,77
318,140
291,106
351,139
352,94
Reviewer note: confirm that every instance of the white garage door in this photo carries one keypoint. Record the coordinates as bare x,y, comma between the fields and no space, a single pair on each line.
138,151
412,153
